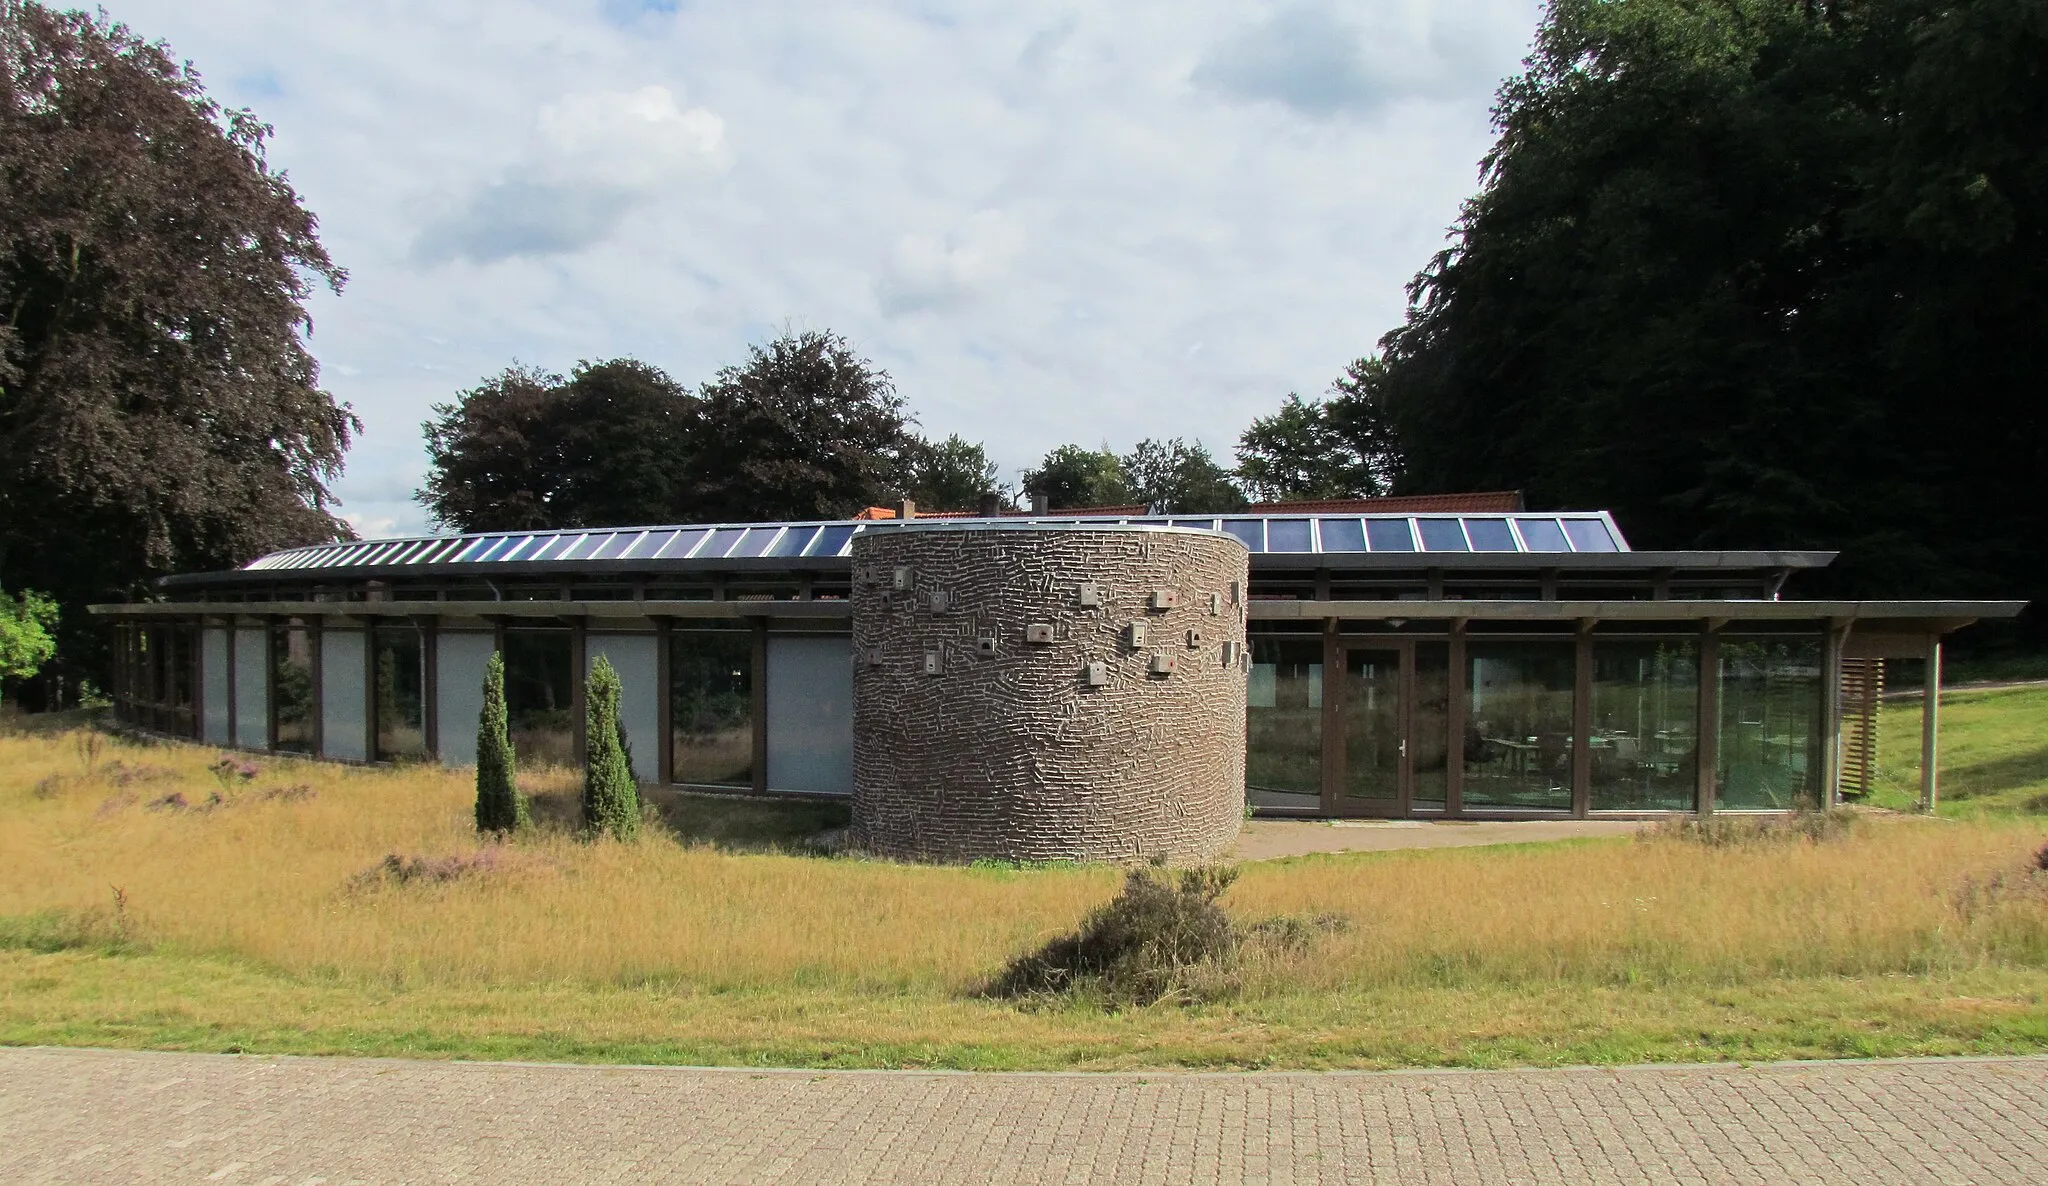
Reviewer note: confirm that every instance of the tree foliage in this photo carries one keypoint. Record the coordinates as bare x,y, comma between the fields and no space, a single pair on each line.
500,808
26,626
611,798
1340,447
952,475
1757,273
1071,476
1180,478
158,408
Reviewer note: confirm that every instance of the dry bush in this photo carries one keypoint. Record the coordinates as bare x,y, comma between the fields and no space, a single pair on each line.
1726,831
1144,944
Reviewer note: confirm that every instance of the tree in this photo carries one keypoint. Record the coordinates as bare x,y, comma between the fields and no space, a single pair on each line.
159,410
805,429
952,475
500,808
1755,273
525,449
611,799
1343,447
1071,476
1181,478
25,641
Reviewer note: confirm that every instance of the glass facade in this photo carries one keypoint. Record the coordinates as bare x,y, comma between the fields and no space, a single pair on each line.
1283,764
1518,725
1372,725
711,699
1429,723
1770,725
291,682
398,664
1645,735
540,696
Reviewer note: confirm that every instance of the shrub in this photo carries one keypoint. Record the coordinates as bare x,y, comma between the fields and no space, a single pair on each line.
611,799
500,808
1728,831
397,869
1149,941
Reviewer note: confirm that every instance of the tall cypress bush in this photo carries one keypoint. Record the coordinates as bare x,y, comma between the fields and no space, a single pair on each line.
611,799
500,807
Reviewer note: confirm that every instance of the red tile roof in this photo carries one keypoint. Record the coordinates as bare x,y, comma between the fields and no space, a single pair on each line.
1491,501
1136,508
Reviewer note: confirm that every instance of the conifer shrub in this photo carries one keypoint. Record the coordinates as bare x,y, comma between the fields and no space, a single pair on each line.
500,808
611,799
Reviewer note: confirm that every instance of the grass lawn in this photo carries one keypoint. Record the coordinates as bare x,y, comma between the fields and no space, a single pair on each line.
147,902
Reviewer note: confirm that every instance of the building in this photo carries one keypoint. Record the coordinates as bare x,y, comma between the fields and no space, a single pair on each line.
1449,657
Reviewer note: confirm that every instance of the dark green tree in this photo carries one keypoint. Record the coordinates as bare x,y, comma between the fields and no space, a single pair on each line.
1071,476
952,475
805,429
1757,273
611,444
25,625
611,798
1340,447
1180,478
159,410
500,808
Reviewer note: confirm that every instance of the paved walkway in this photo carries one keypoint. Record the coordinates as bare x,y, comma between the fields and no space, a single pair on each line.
108,1116
1264,839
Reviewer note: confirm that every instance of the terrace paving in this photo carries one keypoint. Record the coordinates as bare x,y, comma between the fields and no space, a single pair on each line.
1265,839
106,1116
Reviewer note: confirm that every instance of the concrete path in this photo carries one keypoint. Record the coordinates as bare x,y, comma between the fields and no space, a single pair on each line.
108,1116
1264,839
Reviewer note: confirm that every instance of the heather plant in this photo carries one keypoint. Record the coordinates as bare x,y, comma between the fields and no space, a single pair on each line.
1154,939
611,799
500,808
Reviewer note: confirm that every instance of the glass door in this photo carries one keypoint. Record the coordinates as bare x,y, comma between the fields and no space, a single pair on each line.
1371,759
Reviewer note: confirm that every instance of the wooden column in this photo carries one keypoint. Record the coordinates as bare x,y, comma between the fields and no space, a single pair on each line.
1831,715
1930,721
1582,721
1454,725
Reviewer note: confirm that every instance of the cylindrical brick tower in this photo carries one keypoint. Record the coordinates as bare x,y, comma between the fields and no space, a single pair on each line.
1036,692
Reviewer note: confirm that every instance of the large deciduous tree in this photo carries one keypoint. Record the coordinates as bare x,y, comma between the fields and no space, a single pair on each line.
1758,273
952,475
1340,447
158,407
1072,476
1180,478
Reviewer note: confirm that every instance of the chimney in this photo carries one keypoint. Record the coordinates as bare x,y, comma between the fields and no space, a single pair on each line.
1039,502
907,509
991,505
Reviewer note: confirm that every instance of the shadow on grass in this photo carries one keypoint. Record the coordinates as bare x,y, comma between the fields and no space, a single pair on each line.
1998,775
734,823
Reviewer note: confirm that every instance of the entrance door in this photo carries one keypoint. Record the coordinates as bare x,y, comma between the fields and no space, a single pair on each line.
1369,758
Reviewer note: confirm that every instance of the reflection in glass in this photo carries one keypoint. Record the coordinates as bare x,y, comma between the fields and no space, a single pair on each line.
1343,535
1429,724
1284,723
539,695
1372,724
1770,700
1645,744
1490,535
291,678
1543,535
1518,725
1389,535
399,662
711,700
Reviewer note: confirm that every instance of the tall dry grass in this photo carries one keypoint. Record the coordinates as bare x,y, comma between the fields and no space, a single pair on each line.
279,878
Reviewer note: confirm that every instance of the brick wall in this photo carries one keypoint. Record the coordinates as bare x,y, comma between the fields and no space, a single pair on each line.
973,741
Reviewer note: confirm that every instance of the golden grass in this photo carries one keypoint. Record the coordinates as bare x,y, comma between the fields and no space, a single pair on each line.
730,956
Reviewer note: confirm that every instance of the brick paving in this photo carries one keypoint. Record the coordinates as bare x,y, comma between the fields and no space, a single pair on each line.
111,1116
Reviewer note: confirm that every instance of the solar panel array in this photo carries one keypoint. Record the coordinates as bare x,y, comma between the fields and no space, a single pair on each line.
731,541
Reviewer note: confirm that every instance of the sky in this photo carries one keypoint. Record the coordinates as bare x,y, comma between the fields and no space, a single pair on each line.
1049,222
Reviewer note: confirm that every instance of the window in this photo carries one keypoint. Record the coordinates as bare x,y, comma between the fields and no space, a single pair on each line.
1518,725
1284,723
711,702
1770,701
539,696
291,676
398,665
1644,746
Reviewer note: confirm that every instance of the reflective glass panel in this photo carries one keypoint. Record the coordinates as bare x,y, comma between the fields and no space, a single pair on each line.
1371,713
1518,725
398,667
1589,535
1288,535
831,541
616,546
711,698
538,696
1645,738
1343,535
1769,745
584,546
721,542
1251,531
793,541
1543,535
1429,724
1204,524
649,545
1284,723
681,545
291,676
1389,535
1442,535
756,541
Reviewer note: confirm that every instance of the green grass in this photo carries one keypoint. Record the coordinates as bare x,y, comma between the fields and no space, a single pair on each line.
1993,754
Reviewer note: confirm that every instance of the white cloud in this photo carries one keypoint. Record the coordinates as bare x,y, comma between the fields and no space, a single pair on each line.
1030,213
1321,60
